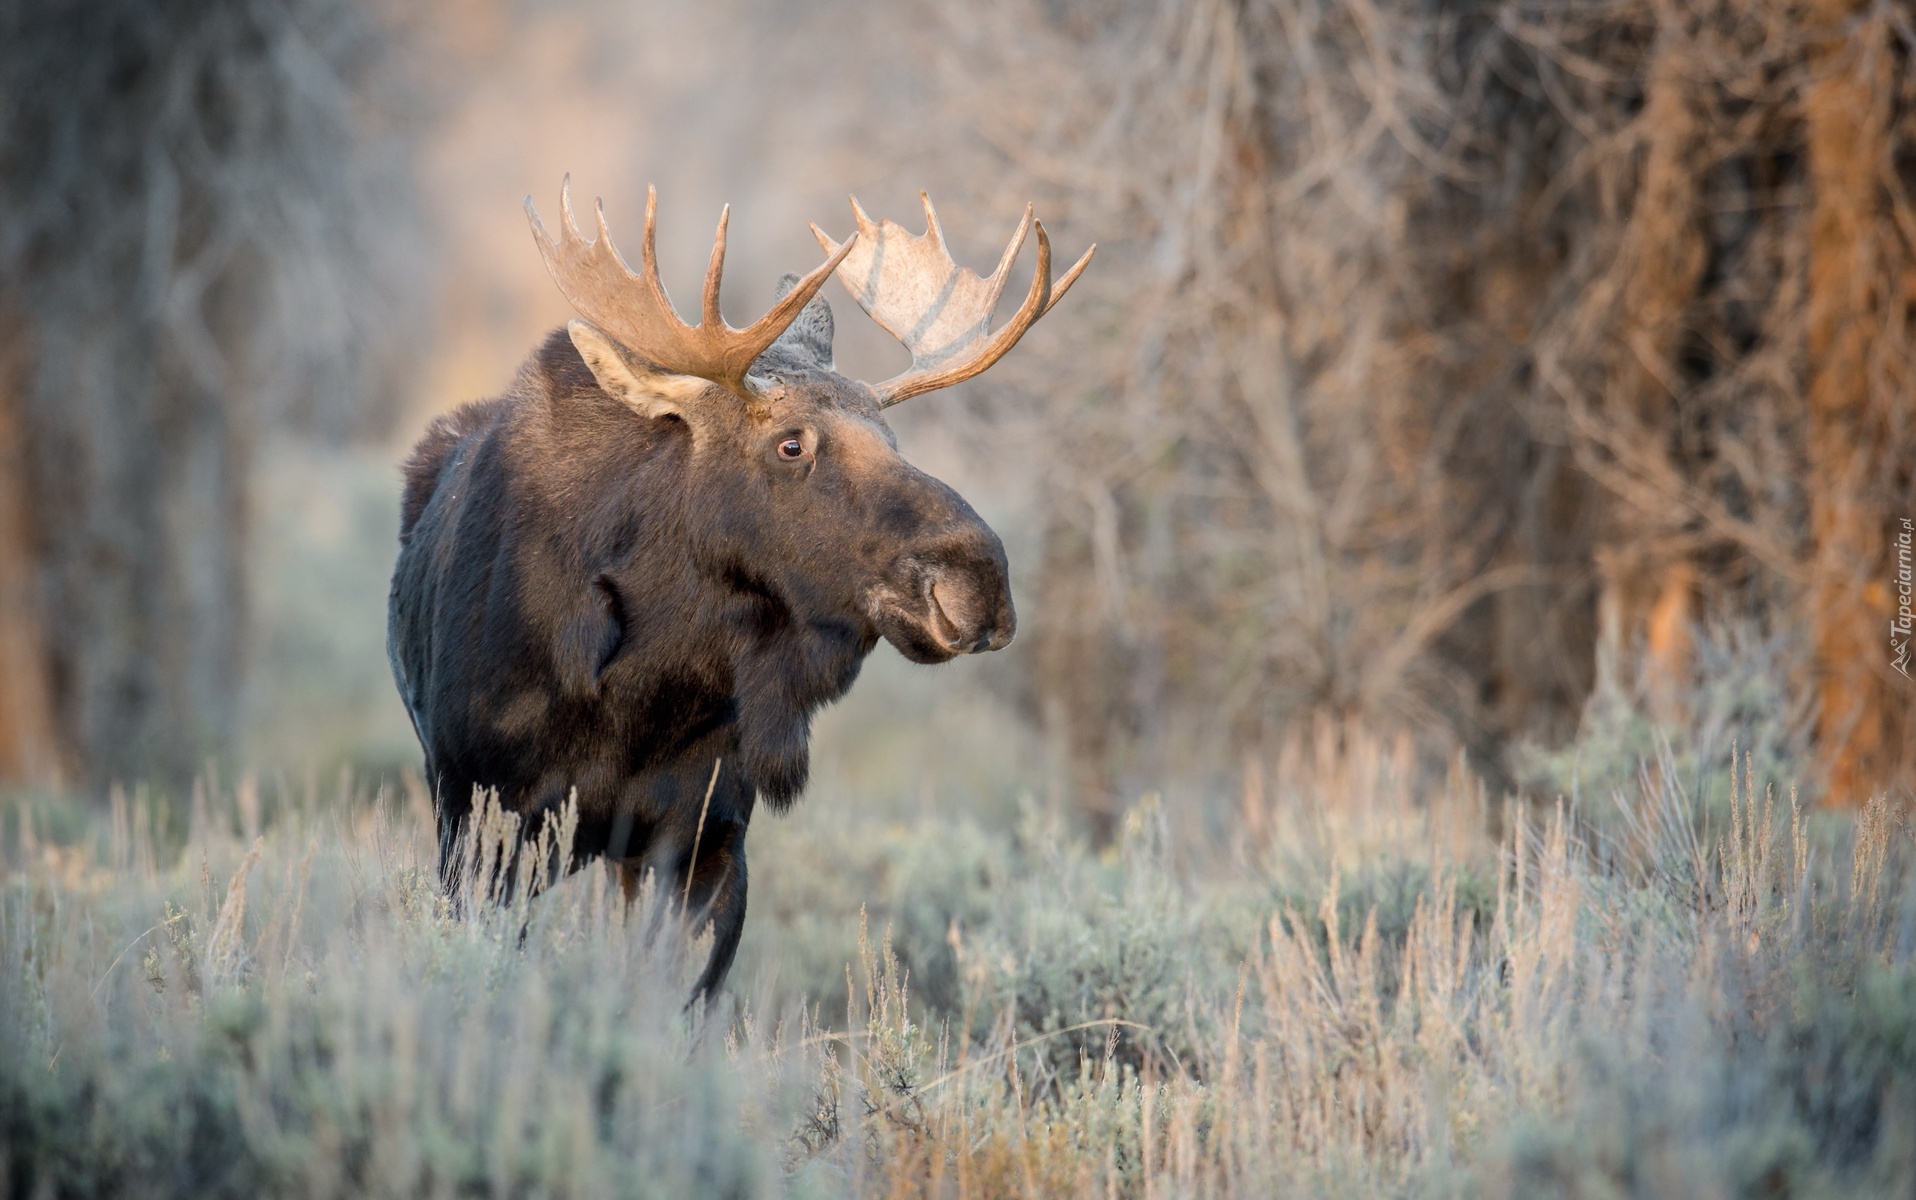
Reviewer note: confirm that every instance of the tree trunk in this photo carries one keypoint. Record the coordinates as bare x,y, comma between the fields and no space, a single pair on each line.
1856,337
29,751
137,470
1647,587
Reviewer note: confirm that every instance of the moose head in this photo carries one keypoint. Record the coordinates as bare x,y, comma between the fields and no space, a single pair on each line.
797,478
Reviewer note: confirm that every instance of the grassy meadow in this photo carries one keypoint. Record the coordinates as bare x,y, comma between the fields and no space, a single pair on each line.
1355,979
1530,375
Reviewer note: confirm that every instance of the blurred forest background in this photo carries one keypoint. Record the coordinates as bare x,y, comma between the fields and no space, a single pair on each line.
1482,374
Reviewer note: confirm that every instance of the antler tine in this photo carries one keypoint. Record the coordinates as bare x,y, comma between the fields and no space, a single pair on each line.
939,311
709,305
635,309
932,231
866,225
649,249
568,223
1070,277
1003,273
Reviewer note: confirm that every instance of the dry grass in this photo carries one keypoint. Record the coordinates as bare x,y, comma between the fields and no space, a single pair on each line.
1394,989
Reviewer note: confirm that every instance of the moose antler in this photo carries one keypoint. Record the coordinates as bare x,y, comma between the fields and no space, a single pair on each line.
940,311
635,310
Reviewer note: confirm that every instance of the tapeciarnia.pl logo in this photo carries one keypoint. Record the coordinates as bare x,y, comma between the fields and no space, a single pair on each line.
1901,624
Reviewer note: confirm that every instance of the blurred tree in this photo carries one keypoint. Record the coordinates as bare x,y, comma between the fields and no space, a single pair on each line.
1862,395
205,210
1446,366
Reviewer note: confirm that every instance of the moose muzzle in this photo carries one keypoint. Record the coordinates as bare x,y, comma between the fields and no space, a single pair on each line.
951,599
967,618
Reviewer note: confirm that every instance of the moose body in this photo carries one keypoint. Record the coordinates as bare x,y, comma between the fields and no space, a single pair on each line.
634,577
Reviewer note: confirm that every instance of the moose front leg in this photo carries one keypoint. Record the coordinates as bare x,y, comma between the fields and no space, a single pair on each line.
717,895
714,892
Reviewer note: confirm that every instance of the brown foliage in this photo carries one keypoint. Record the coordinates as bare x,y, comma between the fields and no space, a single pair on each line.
1452,361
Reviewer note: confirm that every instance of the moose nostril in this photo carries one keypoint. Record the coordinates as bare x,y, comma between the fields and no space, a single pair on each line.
944,622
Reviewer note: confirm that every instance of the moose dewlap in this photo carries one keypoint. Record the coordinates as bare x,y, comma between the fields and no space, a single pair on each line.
635,575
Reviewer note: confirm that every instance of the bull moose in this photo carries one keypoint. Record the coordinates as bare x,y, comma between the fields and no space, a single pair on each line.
636,575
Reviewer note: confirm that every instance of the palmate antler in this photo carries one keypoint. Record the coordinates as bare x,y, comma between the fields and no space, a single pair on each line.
908,283
635,310
941,312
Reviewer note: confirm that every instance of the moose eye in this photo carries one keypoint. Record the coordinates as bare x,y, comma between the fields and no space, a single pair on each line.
791,449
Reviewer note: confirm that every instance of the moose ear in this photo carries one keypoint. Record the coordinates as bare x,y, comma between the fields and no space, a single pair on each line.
810,335
643,388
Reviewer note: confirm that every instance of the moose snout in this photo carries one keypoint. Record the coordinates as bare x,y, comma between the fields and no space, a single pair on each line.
946,590
970,615
954,600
